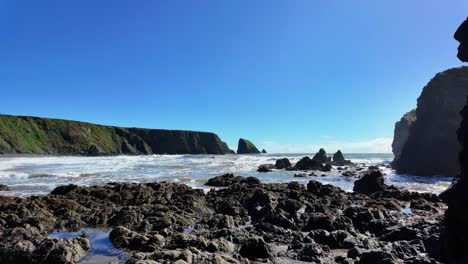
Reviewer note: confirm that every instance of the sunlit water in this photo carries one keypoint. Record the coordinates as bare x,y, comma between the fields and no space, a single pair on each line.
40,175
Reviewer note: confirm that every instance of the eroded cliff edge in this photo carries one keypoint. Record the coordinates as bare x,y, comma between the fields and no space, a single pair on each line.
34,135
432,146
401,132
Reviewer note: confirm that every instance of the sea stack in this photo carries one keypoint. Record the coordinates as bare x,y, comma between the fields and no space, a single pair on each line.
246,147
432,147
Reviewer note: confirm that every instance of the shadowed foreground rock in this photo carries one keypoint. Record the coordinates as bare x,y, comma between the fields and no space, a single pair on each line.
456,216
244,221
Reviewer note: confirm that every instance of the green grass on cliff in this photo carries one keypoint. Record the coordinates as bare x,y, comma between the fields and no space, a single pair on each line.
24,134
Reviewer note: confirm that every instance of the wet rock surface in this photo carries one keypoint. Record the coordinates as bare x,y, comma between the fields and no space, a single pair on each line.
245,221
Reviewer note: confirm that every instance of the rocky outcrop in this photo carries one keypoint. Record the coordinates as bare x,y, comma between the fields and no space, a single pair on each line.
456,197
432,147
339,159
370,183
307,163
321,156
264,151
245,222
246,147
401,132
33,135
283,163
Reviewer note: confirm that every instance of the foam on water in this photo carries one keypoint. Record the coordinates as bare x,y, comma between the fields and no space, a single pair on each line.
40,175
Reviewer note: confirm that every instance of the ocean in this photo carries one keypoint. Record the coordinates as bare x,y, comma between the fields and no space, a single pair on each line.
29,175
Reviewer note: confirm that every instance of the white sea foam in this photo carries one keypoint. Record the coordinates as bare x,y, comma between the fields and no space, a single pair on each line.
40,175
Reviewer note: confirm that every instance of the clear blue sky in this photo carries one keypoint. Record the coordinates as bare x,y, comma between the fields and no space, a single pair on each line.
289,75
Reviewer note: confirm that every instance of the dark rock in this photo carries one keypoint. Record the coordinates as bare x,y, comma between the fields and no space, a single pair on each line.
63,190
255,248
354,253
311,252
283,163
461,35
373,257
264,151
321,156
401,132
307,163
61,251
326,168
246,147
339,159
229,179
432,147
370,183
265,167
338,156
455,240
3,188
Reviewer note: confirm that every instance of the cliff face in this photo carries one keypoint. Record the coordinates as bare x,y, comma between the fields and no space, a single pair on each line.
22,134
432,146
401,132
246,147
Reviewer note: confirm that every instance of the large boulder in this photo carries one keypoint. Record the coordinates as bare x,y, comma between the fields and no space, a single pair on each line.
283,163
401,132
307,163
255,248
321,156
229,179
246,147
339,159
370,183
61,251
432,147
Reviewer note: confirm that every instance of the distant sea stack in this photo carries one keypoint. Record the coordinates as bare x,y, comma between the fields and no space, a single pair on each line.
34,135
246,147
401,132
432,147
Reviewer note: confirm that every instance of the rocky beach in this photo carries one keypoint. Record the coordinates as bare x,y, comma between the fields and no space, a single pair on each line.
128,132
240,221
265,208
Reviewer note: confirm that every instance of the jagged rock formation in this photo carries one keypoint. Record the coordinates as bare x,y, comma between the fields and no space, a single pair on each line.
246,147
401,132
321,156
432,147
34,135
456,197
264,151
339,159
